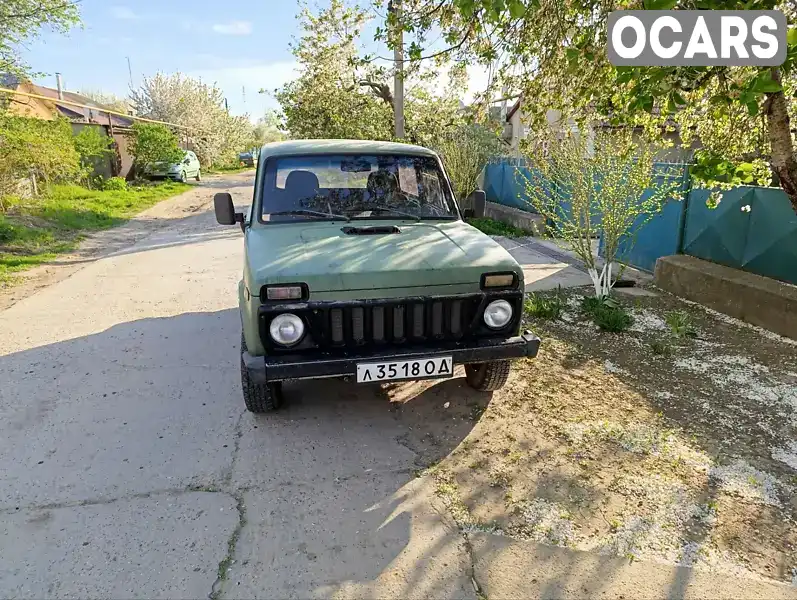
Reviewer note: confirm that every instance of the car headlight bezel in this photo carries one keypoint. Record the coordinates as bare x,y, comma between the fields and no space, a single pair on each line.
286,329
498,314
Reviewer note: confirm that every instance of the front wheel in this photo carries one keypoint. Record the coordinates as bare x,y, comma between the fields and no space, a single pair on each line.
258,397
183,177
489,376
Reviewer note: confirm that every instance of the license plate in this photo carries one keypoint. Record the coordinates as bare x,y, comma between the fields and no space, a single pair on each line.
421,368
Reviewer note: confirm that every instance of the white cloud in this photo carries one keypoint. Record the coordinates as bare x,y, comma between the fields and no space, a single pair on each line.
233,28
123,12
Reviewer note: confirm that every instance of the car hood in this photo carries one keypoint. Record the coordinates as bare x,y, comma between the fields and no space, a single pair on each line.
424,254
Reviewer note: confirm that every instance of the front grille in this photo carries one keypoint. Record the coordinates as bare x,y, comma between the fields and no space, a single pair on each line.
350,325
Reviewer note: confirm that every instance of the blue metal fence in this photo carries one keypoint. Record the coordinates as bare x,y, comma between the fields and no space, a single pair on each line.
760,240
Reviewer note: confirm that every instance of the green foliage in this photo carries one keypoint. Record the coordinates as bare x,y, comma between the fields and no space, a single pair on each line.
465,151
33,147
607,313
199,107
21,21
612,185
36,231
93,146
493,227
681,324
615,320
115,184
152,142
544,306
554,53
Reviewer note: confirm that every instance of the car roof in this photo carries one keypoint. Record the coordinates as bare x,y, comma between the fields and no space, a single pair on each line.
309,147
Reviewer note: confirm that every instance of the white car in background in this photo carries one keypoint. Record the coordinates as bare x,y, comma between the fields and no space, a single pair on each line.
188,167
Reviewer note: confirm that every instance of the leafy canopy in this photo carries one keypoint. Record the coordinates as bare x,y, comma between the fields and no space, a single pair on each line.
21,21
152,142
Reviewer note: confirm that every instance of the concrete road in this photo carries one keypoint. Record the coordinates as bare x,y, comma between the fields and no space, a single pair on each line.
130,467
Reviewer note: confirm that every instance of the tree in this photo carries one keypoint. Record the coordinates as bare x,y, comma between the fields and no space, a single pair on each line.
605,185
555,53
22,20
111,101
152,142
267,129
341,93
197,106
335,96
465,151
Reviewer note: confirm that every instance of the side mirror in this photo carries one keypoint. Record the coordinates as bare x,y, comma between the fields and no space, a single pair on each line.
187,161
225,210
477,203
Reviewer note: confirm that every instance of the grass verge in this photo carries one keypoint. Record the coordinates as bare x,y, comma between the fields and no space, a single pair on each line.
35,231
493,227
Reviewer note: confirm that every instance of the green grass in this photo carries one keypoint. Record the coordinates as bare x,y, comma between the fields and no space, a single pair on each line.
544,306
493,227
607,313
35,231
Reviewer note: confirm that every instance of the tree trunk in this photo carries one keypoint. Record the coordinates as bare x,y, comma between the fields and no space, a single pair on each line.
782,147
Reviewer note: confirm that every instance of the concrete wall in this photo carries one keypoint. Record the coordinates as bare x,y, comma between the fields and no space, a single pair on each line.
758,300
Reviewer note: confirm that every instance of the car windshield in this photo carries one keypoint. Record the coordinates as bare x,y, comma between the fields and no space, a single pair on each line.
355,187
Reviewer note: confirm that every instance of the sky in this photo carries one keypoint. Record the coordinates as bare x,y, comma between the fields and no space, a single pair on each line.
241,46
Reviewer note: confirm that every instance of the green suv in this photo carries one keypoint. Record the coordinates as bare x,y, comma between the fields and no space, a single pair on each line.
357,263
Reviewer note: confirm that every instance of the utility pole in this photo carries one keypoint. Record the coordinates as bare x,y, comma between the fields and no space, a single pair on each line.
394,6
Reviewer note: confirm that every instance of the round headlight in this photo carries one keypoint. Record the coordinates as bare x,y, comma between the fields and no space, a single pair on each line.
286,329
497,314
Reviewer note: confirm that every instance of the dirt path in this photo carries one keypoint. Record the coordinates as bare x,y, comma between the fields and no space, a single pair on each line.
104,243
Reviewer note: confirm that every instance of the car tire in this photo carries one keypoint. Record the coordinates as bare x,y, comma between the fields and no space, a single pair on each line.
198,175
183,177
258,397
489,376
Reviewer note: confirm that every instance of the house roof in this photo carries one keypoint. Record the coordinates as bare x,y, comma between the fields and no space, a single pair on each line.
96,113
304,147
514,109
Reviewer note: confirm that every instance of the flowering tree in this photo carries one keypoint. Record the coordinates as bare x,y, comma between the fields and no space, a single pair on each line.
197,106
612,187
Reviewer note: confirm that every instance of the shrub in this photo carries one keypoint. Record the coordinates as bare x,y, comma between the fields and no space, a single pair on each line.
681,324
44,149
612,319
115,184
607,313
152,142
544,307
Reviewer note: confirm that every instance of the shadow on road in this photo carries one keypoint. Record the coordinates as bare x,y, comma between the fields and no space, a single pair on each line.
154,406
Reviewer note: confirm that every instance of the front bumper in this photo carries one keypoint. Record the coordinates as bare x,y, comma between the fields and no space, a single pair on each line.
263,369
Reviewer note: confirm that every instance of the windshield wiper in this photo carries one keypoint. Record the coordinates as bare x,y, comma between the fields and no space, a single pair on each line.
311,213
394,210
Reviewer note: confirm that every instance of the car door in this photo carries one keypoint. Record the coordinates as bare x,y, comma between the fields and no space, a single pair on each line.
194,166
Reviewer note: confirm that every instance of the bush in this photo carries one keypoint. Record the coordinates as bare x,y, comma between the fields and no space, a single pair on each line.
607,313
152,142
544,307
115,183
661,347
28,147
612,319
